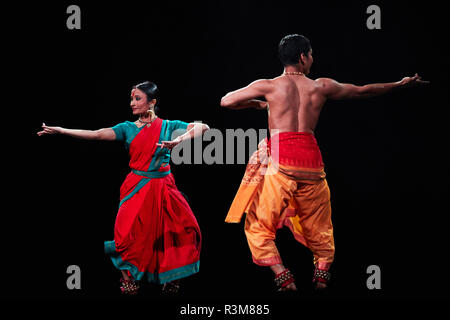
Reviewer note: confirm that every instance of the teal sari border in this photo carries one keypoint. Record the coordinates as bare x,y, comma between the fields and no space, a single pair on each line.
151,174
138,187
159,152
160,278
148,176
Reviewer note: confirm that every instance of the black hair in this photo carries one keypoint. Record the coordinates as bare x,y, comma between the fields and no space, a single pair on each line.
291,47
150,89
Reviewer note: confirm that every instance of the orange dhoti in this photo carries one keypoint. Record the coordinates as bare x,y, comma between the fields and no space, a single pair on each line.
287,188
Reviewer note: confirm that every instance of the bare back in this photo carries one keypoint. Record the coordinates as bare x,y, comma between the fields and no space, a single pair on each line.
295,103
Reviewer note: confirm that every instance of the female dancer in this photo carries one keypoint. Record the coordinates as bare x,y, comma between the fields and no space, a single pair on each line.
156,235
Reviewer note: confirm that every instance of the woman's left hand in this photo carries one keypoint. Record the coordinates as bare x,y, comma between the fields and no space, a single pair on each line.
169,144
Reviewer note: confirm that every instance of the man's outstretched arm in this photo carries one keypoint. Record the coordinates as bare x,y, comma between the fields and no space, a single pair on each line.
246,97
337,91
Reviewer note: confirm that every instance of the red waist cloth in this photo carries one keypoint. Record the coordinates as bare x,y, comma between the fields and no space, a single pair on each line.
297,149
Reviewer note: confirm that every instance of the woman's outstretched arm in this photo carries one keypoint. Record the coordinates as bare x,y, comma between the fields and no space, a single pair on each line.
194,130
100,134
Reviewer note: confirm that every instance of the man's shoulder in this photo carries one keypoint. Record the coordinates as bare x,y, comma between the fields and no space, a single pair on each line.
266,82
263,85
325,81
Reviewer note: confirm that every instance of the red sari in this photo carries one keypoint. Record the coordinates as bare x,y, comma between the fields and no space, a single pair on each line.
156,235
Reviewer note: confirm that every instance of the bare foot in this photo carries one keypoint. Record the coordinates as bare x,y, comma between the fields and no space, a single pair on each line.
289,287
171,287
320,285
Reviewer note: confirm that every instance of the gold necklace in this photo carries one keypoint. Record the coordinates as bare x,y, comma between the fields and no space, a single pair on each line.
294,73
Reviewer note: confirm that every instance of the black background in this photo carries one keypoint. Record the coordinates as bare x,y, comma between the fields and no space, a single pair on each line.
385,157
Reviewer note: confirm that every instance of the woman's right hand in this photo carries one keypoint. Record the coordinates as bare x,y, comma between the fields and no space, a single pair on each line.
50,130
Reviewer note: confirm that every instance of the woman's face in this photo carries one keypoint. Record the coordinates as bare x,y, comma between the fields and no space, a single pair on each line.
139,103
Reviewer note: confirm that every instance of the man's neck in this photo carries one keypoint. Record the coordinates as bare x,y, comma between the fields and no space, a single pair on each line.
294,68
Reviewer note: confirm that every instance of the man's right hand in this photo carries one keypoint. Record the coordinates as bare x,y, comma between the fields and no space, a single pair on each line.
412,81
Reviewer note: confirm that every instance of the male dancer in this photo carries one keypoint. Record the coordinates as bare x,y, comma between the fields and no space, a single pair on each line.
293,192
